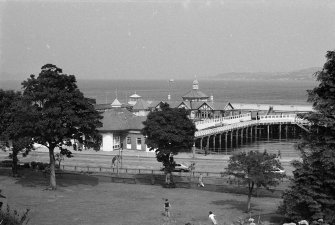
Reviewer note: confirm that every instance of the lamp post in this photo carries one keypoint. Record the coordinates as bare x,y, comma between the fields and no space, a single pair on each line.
169,95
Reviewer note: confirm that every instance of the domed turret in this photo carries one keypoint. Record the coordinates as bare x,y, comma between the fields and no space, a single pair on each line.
195,84
195,95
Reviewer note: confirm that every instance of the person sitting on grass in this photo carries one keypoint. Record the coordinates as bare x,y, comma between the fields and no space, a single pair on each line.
167,206
211,216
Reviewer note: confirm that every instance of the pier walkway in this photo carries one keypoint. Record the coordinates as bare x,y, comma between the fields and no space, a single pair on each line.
221,125
220,133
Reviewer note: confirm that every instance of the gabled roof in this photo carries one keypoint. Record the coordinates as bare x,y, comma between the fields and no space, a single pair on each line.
197,105
154,104
116,103
118,119
222,106
141,105
172,104
185,104
194,94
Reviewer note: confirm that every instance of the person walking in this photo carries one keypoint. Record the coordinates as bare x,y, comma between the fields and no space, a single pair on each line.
167,206
211,216
201,183
114,160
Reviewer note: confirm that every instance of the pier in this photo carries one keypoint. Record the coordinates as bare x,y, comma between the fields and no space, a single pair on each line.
217,135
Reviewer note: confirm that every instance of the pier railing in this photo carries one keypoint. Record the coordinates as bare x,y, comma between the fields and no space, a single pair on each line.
265,119
278,118
225,128
200,125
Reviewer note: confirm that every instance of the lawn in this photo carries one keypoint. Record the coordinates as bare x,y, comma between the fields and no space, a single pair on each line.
86,201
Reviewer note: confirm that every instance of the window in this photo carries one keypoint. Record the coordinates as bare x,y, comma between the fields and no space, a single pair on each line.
128,140
116,142
139,141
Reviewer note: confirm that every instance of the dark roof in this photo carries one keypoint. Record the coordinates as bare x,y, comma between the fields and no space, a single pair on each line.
121,119
172,104
194,94
140,105
102,106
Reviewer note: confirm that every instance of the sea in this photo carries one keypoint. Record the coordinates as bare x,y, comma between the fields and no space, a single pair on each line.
286,92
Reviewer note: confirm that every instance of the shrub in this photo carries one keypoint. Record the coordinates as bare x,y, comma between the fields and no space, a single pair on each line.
26,165
33,164
10,217
6,163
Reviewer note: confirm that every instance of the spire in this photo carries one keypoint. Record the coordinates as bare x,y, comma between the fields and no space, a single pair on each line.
195,84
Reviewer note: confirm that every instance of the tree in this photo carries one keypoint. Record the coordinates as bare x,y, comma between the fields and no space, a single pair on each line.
256,169
168,130
312,192
59,113
12,112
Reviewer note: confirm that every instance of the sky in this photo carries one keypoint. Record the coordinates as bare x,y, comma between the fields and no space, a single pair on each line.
163,39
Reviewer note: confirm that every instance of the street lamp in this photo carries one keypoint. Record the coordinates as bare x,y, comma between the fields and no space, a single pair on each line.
170,82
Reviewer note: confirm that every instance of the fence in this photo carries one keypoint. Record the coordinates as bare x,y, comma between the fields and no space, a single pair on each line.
214,181
115,170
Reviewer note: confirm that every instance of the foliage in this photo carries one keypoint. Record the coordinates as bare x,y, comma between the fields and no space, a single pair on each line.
59,112
10,217
12,113
168,130
256,169
312,192
60,156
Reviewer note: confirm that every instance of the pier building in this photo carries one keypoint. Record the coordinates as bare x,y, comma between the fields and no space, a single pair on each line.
122,129
220,125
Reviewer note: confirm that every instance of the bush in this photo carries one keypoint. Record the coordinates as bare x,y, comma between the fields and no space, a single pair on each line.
6,163
38,165
33,164
9,217
26,165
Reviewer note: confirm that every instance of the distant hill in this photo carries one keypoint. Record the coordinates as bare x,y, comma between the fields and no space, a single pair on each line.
304,74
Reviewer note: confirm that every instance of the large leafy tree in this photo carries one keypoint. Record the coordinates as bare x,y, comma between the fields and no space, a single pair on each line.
256,169
168,131
59,113
12,112
312,192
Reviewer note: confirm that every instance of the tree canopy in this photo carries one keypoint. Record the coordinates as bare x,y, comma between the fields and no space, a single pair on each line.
256,169
59,112
12,113
312,192
168,131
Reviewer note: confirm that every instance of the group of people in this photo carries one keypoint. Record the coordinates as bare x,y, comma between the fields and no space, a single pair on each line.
167,207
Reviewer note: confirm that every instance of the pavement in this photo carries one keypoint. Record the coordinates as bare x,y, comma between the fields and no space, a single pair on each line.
151,154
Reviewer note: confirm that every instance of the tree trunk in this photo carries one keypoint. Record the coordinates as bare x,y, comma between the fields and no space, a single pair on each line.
14,163
250,187
52,168
249,202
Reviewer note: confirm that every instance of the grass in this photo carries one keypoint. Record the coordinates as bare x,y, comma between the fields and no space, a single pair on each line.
86,201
